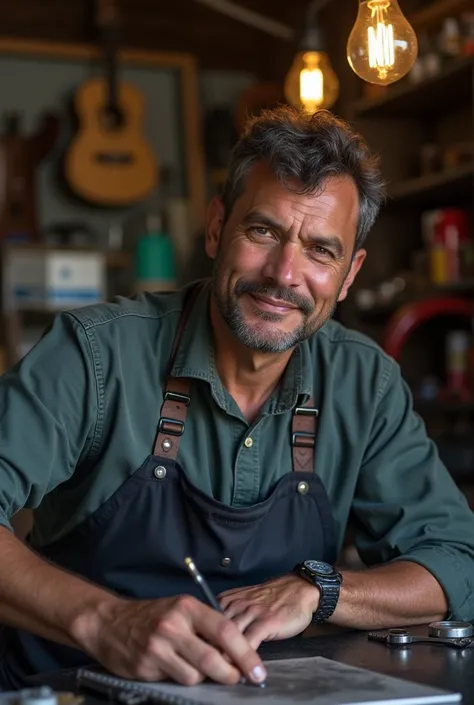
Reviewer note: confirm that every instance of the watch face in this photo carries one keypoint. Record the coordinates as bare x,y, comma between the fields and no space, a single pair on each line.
319,567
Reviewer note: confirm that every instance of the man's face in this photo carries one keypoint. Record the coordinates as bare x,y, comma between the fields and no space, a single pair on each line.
283,260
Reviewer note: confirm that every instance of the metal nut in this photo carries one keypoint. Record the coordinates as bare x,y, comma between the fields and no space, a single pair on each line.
303,487
159,472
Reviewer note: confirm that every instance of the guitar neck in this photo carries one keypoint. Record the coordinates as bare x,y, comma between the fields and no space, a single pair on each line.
109,25
111,71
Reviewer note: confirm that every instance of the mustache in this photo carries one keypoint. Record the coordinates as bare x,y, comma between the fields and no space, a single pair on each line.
275,292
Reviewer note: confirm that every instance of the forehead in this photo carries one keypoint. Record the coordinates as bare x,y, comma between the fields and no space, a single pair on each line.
335,205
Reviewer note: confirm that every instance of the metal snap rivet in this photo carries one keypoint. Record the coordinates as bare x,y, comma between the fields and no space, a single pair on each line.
225,562
303,487
166,445
159,472
248,443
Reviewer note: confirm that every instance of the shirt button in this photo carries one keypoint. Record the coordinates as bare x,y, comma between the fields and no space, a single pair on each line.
248,443
225,562
159,472
303,487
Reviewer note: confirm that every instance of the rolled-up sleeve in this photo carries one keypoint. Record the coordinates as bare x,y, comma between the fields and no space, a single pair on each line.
48,415
407,506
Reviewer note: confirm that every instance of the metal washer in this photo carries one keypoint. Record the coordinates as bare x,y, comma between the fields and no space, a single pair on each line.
451,630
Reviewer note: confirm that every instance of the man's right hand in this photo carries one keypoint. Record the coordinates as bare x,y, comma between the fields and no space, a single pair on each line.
179,638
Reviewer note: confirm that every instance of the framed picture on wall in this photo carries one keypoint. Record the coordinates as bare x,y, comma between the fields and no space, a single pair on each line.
41,77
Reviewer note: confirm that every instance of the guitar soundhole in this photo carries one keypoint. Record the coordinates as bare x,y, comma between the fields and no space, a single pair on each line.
114,158
112,118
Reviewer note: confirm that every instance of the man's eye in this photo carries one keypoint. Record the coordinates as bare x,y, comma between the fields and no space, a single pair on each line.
260,230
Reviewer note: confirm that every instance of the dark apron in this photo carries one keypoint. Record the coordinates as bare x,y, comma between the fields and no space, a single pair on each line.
135,543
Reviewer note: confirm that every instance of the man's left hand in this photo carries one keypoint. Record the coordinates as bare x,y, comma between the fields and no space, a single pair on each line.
277,609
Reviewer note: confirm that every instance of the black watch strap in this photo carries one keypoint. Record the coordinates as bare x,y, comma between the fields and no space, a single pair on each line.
327,603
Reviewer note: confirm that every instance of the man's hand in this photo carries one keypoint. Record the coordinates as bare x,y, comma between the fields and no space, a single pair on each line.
278,609
179,638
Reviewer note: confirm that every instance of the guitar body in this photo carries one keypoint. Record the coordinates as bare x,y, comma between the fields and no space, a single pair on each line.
110,163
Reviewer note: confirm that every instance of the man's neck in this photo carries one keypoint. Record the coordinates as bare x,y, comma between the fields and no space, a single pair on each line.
249,376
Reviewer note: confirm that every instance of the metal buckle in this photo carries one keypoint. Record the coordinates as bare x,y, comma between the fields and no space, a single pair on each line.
173,422
303,443
306,411
180,398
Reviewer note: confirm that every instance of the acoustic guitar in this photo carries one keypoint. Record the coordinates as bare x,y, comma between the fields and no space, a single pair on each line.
109,163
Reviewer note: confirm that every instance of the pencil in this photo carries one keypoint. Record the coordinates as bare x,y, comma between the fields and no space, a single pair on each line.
199,579
208,594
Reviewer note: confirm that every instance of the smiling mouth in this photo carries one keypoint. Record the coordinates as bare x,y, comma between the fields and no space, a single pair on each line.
274,305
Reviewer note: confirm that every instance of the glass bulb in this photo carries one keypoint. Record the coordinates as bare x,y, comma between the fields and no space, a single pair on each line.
311,82
382,46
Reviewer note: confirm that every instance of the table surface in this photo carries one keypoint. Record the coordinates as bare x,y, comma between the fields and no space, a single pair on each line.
437,665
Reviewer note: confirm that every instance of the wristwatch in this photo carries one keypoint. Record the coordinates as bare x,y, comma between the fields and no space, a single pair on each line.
328,580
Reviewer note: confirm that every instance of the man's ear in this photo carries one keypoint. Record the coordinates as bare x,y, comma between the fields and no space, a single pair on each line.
214,225
357,262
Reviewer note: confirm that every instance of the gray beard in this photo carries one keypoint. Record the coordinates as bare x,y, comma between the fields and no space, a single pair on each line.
256,339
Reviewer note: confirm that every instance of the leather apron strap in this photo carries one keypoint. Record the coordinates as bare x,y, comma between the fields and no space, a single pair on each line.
177,397
177,393
303,436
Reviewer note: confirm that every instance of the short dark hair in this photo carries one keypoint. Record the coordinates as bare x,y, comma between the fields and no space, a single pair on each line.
307,149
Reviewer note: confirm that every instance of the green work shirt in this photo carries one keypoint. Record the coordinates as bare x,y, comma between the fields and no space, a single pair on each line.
79,415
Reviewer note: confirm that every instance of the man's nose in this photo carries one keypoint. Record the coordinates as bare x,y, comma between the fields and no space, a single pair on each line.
284,265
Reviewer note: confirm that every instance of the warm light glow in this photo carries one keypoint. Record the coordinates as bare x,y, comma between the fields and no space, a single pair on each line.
382,46
311,82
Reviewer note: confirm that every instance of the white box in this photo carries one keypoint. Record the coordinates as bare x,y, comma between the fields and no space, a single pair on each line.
53,279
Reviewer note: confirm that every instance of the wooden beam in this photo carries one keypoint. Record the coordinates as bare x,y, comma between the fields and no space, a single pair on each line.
437,11
72,51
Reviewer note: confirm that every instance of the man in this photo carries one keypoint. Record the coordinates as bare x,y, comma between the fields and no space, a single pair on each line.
257,425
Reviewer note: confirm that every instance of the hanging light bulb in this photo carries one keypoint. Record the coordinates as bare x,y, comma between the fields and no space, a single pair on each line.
311,83
382,46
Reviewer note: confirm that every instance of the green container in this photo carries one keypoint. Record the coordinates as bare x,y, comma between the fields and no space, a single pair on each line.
155,265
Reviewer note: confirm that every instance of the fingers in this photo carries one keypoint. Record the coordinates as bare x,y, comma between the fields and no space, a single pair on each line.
234,605
179,632
209,661
222,632
172,665
243,617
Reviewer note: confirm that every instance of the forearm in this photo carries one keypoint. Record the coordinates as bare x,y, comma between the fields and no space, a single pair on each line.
395,594
43,599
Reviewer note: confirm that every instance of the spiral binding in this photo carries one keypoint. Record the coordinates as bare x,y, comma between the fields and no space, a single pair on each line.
128,692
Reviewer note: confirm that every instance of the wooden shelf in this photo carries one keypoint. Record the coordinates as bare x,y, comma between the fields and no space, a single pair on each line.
437,11
452,87
451,187
115,259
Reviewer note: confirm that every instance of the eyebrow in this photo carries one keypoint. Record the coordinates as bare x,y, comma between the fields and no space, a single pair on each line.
331,242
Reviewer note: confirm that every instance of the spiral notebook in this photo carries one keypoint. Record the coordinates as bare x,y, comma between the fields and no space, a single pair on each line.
307,681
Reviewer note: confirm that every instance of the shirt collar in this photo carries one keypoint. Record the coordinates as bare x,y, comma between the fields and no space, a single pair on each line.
195,359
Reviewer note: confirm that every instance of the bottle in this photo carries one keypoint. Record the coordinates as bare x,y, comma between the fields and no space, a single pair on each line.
155,267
